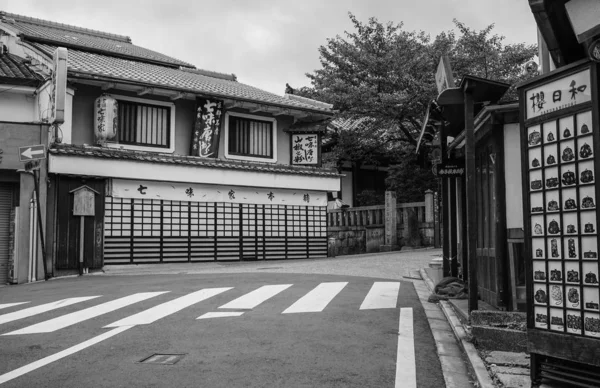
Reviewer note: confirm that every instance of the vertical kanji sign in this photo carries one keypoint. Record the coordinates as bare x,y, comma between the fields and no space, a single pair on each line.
205,138
305,149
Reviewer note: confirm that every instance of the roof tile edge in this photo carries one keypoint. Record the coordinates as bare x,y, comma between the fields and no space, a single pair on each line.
27,19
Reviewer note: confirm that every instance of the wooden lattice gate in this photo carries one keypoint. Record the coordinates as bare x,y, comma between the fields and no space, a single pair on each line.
154,231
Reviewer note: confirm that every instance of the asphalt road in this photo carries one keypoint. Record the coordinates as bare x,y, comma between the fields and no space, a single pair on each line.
341,345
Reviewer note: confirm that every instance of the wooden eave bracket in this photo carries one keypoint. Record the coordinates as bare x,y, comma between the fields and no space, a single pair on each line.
108,86
178,96
145,91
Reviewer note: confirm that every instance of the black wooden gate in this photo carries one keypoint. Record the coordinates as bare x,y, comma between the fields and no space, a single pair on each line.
154,231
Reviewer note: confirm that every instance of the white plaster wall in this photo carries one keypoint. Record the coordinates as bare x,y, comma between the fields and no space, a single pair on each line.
17,106
126,169
347,194
512,176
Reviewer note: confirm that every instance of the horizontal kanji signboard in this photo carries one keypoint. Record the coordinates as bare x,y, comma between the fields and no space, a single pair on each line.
451,168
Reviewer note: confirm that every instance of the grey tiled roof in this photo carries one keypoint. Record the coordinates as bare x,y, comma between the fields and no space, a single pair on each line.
14,70
178,79
38,30
111,153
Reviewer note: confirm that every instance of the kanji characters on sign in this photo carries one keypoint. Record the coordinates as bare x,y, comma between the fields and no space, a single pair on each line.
305,149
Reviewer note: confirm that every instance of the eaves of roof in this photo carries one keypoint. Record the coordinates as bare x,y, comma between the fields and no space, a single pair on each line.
482,117
14,71
141,156
91,66
48,32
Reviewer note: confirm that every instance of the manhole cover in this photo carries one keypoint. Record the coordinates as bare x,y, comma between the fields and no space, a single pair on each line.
164,359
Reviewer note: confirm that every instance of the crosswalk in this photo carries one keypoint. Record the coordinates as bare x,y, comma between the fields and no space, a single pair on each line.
381,295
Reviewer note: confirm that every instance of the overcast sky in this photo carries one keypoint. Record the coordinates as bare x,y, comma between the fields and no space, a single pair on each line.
267,43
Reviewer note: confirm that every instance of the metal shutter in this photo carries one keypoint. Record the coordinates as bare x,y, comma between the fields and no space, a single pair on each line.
6,197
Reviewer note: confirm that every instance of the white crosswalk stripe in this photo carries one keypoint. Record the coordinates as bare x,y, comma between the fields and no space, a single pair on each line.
162,310
42,308
383,295
220,314
256,297
7,305
316,299
83,315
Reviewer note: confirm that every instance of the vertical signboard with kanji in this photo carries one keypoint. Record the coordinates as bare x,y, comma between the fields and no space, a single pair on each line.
559,117
306,149
206,134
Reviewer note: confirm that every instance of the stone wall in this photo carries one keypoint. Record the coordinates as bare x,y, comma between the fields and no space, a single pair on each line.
348,241
363,229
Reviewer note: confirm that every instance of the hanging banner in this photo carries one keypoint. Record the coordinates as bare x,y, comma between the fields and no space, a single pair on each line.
180,191
205,138
427,131
443,75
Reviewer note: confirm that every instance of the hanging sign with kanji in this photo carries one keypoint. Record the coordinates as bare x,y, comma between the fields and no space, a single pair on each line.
205,138
305,149
452,168
568,91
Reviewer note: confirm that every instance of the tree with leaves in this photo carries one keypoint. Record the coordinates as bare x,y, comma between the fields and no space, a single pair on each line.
381,77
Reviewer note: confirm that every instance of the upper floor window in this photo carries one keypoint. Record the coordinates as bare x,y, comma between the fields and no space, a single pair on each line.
249,137
145,125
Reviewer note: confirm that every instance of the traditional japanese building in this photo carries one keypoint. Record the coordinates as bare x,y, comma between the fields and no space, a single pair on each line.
19,127
185,164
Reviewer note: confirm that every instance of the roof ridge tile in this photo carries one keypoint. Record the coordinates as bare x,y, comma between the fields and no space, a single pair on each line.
28,19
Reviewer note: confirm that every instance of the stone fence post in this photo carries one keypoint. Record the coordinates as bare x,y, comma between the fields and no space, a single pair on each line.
429,206
391,234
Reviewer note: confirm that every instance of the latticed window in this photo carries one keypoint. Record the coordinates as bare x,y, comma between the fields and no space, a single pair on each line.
250,137
144,124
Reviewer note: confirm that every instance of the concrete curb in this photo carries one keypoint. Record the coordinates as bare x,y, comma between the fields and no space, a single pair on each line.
476,364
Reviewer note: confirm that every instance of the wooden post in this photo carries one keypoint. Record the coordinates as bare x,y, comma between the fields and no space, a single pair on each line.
445,228
471,189
81,241
454,229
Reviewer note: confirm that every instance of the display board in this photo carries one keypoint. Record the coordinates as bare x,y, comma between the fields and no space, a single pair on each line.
560,138
562,215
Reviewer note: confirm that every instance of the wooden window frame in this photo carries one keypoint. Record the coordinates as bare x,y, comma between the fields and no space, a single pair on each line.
229,155
156,148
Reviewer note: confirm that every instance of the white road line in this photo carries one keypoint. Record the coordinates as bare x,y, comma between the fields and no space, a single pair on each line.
406,367
162,310
67,352
256,297
6,305
89,313
221,314
383,295
317,299
42,308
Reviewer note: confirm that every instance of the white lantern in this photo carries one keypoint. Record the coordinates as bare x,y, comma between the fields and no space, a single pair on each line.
105,119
